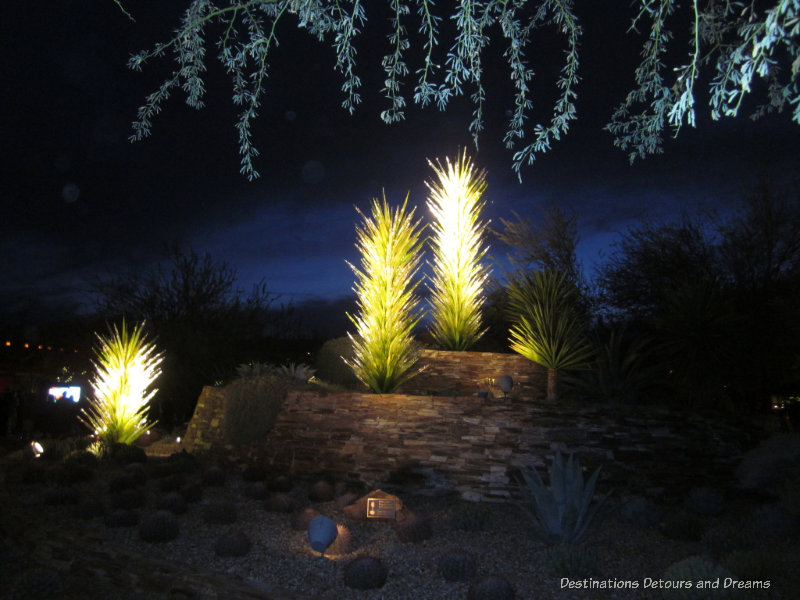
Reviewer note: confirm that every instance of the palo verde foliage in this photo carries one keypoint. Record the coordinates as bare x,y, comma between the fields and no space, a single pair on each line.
731,45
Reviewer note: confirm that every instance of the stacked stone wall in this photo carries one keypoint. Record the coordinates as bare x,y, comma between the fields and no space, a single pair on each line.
474,445
466,373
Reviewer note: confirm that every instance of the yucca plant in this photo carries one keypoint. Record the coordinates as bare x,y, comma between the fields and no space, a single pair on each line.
458,274
126,365
562,513
383,348
548,327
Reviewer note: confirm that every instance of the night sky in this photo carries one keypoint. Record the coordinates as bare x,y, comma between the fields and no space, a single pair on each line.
79,200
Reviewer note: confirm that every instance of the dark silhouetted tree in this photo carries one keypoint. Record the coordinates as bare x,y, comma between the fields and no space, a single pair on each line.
203,323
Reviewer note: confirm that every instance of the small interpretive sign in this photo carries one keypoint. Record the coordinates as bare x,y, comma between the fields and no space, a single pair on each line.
381,508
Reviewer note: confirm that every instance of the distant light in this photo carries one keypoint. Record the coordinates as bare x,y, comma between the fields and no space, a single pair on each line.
26,345
63,392
36,449
8,343
178,439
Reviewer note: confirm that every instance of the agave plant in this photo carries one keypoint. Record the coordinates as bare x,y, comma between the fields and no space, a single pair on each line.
126,366
383,347
562,513
547,325
301,372
458,248
254,370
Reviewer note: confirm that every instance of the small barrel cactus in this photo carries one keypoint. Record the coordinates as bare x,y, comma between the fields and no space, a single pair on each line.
321,491
279,502
457,565
161,526
365,573
232,544
174,502
343,544
492,587
303,517
280,483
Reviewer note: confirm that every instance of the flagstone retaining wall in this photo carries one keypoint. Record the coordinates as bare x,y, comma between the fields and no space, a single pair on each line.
473,445
449,373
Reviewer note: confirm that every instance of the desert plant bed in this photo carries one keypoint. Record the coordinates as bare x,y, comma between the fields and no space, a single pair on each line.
58,534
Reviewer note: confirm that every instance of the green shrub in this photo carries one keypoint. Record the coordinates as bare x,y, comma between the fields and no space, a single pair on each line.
330,363
252,406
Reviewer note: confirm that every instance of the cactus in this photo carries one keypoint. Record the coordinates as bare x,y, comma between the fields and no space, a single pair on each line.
161,526
365,573
300,372
256,490
321,491
302,518
563,512
280,502
457,566
254,370
343,543
173,502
